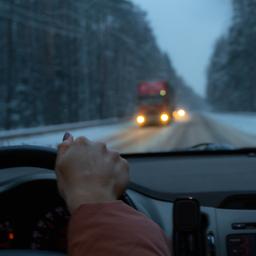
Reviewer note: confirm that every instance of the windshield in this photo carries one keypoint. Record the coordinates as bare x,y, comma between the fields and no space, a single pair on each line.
151,100
87,66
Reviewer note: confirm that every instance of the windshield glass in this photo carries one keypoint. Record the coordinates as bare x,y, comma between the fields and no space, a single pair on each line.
89,67
151,100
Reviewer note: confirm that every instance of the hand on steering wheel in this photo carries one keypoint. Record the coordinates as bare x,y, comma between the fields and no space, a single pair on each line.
88,172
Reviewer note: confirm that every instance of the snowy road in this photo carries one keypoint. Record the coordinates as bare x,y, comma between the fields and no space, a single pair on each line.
236,130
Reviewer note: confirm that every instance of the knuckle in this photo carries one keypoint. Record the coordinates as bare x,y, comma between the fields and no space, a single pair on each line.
123,169
102,146
125,173
122,179
81,140
125,164
58,163
115,155
61,146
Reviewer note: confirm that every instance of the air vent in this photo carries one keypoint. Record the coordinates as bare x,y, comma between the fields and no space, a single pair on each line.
239,202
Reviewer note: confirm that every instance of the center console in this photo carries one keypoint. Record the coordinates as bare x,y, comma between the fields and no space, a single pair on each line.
241,244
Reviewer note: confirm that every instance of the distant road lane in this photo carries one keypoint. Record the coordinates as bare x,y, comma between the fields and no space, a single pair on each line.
128,138
199,129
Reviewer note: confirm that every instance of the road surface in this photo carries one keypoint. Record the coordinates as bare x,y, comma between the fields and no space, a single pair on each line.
126,137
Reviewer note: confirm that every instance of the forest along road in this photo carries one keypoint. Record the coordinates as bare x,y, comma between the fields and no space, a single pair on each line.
126,137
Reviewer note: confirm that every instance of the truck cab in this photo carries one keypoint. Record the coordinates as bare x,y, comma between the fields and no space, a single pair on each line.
155,103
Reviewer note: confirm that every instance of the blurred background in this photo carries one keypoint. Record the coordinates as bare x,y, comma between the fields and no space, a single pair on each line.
67,62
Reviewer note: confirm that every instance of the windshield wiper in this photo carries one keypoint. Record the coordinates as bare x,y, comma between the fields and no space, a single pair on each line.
208,146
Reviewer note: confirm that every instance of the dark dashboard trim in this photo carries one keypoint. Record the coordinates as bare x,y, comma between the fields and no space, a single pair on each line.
25,149
9,185
250,152
239,202
215,198
34,156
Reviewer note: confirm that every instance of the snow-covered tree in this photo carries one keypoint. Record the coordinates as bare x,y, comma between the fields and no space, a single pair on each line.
69,61
232,72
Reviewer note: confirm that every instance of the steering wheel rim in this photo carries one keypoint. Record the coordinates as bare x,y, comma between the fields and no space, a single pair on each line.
29,253
35,156
27,156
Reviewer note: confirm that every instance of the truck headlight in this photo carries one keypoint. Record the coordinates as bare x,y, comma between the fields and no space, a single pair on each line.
164,117
140,119
181,112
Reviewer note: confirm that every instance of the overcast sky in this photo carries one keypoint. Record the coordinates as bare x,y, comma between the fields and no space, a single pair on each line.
188,30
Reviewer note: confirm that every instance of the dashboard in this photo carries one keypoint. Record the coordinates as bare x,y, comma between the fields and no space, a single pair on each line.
33,215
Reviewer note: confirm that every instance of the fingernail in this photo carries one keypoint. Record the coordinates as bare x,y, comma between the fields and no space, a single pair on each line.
66,136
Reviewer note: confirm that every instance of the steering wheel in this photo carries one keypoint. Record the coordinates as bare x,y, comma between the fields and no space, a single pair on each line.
27,156
40,157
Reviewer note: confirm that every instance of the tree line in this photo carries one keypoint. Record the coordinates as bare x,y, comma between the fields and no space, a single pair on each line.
232,71
68,61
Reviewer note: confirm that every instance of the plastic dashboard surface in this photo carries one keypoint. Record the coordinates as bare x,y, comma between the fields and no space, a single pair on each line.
224,184
209,178
157,180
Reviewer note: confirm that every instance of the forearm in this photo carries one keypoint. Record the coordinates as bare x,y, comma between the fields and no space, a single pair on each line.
114,229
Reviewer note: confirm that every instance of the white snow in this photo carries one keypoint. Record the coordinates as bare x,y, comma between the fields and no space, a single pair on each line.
245,122
52,139
126,137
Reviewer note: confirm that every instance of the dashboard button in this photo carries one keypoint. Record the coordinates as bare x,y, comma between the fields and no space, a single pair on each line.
237,226
237,252
241,245
211,244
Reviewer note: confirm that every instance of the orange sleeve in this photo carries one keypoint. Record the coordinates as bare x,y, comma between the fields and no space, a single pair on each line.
114,229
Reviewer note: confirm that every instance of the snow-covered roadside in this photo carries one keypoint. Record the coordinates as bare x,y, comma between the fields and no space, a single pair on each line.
245,122
53,138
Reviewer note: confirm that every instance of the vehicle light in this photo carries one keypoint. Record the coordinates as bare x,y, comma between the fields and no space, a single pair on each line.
181,112
10,236
140,119
164,117
163,92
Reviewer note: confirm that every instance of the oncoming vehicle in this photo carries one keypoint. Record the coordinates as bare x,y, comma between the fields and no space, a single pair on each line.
156,103
181,114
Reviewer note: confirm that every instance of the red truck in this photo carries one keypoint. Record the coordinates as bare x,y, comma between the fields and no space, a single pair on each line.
155,103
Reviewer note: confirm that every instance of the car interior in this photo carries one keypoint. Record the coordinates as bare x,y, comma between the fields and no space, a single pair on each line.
168,84
205,201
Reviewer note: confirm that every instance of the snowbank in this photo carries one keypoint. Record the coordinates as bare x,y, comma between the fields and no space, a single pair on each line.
245,122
